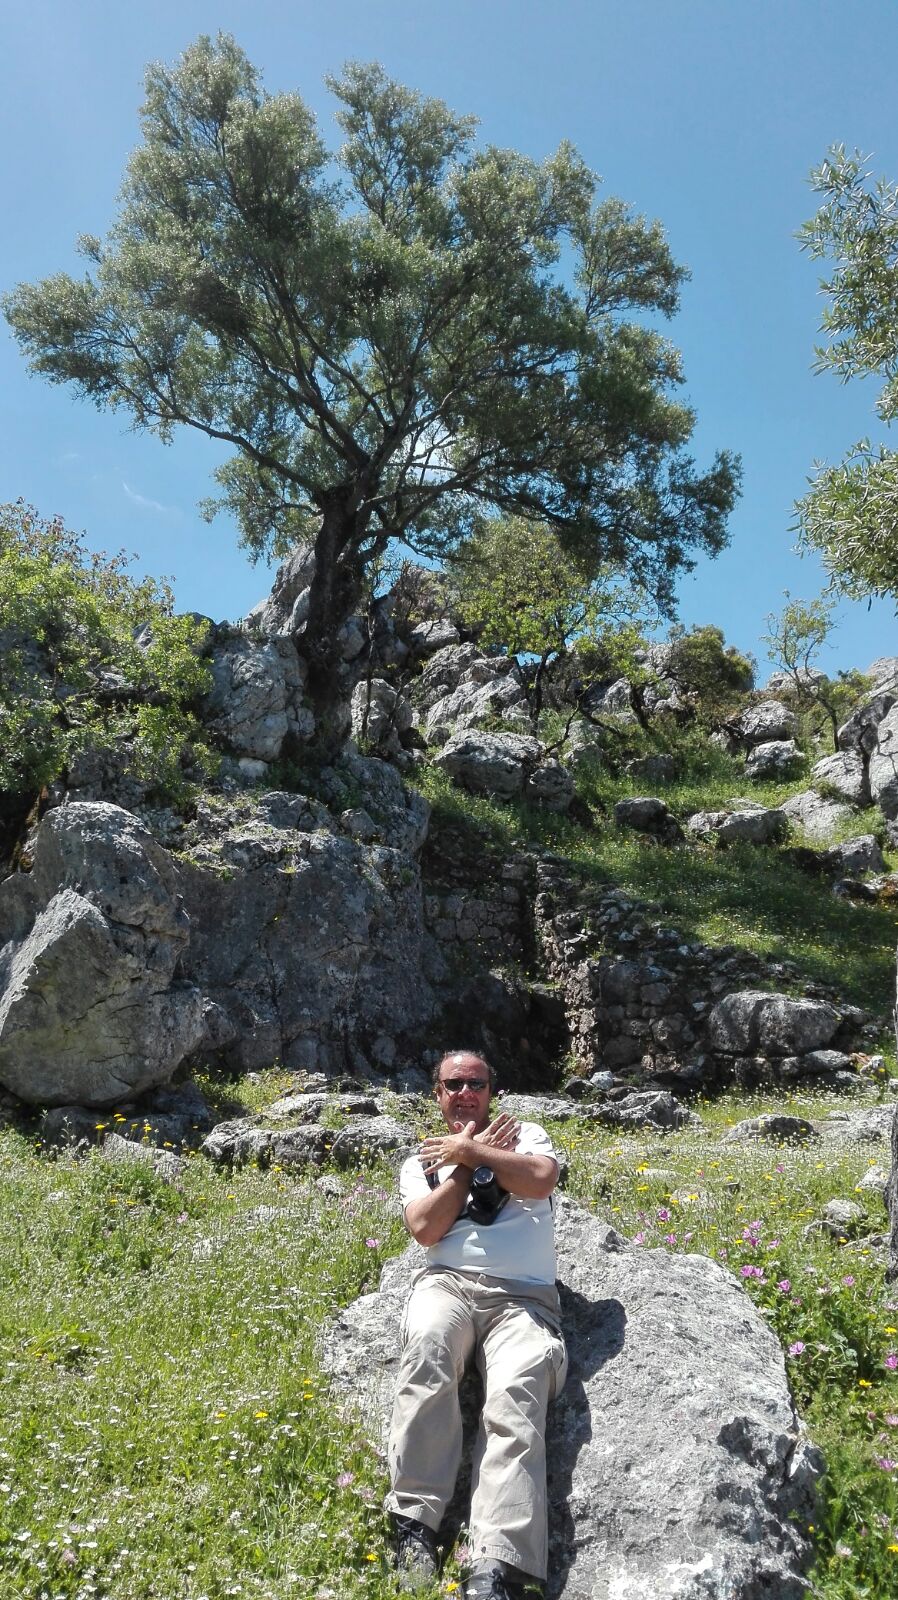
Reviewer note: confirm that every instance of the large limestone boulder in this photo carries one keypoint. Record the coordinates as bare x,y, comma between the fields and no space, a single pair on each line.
884,765
859,732
818,818
748,825
767,720
773,758
379,714
310,946
90,1011
676,1416
256,697
491,763
472,704
846,773
755,1022
285,610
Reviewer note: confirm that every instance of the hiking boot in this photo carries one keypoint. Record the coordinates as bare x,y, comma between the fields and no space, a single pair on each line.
416,1552
494,1584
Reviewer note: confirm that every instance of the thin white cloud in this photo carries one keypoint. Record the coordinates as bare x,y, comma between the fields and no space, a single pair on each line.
68,457
145,503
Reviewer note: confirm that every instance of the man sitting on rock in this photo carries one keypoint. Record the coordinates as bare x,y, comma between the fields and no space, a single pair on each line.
478,1198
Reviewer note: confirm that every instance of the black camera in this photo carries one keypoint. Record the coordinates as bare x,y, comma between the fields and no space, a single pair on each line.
487,1197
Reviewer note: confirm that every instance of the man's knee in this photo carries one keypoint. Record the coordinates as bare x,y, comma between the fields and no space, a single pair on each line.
427,1353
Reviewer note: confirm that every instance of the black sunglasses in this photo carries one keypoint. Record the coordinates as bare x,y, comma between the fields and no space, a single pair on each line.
456,1085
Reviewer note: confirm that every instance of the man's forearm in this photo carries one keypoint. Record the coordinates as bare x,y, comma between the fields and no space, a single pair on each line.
527,1176
429,1218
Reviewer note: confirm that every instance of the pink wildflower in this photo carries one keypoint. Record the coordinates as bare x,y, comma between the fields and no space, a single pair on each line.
797,1349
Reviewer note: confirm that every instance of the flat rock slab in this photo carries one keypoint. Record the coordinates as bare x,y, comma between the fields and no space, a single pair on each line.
678,1467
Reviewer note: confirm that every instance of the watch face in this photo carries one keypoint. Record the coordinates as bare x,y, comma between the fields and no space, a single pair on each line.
483,1175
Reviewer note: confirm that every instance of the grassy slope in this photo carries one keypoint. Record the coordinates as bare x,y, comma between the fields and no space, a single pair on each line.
164,1431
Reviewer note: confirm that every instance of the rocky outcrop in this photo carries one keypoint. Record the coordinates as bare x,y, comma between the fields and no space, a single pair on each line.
773,758
765,721
647,814
91,1011
755,1023
747,825
309,946
723,1466
816,816
380,715
256,698
508,765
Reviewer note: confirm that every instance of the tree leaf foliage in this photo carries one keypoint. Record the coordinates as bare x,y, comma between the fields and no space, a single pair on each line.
850,514
396,339
90,660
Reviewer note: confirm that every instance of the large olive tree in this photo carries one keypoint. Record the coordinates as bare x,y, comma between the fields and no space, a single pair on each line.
850,514
396,339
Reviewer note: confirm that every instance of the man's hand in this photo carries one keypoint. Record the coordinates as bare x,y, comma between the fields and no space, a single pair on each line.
454,1149
503,1132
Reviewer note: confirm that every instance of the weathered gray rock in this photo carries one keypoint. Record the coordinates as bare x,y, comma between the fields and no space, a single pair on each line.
753,825
777,1128
844,1128
550,786
860,731
379,714
646,1108
313,946
754,1022
472,704
785,683
164,1163
444,672
659,768
426,638
491,763
539,1107
854,857
256,697
676,1415
842,1218
648,814
883,767
814,815
366,1138
884,672
846,773
815,1064
873,1181
90,1010
765,722
286,609
774,758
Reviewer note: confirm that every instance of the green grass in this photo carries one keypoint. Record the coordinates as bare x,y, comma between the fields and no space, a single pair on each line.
165,1430
827,1302
744,895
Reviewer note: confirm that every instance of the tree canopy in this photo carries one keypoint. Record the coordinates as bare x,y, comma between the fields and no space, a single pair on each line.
850,515
397,339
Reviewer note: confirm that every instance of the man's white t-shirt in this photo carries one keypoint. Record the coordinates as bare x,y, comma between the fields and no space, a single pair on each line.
520,1244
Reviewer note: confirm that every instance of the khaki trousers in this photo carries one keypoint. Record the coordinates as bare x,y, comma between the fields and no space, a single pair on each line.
514,1334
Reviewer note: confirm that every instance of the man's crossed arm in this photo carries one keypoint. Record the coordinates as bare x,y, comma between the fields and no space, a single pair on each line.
530,1177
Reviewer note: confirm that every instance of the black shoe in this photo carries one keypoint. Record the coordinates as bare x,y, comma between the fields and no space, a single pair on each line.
494,1584
416,1552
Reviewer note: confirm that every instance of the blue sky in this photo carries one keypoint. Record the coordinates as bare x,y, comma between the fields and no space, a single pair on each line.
705,113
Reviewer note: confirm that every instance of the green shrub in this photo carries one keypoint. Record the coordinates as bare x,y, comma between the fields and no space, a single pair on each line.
74,674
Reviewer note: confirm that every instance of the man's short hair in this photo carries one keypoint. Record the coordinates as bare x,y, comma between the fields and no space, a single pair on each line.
453,1055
